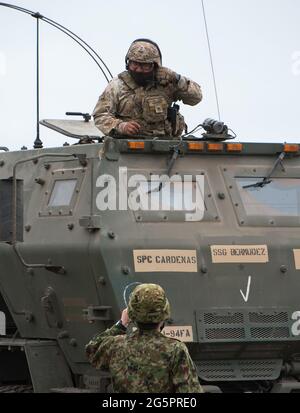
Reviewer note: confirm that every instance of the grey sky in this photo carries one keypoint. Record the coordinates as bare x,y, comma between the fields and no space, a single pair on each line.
255,45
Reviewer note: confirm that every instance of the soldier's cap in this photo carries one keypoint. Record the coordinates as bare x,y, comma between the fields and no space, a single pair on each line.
148,304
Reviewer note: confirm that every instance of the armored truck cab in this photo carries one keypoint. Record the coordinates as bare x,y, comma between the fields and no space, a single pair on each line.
217,226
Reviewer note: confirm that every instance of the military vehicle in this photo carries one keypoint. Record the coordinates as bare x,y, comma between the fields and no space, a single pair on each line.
230,271
214,222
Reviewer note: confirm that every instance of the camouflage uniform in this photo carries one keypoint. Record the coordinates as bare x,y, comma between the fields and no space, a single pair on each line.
144,361
124,100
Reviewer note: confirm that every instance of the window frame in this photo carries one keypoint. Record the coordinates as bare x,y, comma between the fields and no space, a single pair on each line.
258,172
62,175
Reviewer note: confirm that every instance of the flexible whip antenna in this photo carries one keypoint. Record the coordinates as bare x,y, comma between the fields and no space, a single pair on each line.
211,59
88,49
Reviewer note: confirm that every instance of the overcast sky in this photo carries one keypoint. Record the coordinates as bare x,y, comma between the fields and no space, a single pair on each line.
255,46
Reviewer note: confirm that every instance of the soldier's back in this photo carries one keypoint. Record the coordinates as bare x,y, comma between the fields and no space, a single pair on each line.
148,362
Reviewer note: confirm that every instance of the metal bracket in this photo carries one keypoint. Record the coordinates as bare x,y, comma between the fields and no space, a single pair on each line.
98,313
111,149
91,222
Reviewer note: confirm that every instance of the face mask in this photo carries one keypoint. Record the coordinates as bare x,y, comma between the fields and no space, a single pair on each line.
142,79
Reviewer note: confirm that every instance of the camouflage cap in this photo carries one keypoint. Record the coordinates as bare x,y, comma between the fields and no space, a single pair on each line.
148,304
144,52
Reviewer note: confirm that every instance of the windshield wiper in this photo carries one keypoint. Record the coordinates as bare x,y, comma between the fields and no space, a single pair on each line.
175,150
267,179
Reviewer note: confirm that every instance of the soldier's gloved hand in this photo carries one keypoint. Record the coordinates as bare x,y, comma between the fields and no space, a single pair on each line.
128,128
165,76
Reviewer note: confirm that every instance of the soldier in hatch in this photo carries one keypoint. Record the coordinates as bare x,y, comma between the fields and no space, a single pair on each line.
145,361
138,101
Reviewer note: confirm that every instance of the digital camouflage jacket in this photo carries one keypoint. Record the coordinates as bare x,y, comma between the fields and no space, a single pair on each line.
144,362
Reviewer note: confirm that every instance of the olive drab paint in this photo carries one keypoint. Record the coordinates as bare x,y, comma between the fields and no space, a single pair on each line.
231,278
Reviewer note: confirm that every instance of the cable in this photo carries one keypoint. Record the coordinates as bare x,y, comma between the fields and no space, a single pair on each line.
66,31
125,291
193,130
211,60
75,35
75,40
87,48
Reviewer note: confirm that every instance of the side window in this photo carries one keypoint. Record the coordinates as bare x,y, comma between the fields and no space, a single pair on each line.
276,203
62,192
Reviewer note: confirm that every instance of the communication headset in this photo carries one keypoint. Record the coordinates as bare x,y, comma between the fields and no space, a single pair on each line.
147,41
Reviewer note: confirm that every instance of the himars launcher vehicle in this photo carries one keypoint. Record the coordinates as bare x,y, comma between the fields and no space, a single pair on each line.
213,221
231,272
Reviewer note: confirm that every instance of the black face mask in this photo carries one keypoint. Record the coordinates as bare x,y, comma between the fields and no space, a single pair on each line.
142,79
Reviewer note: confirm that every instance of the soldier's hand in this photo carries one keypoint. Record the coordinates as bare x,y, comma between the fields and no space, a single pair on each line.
129,128
165,76
124,317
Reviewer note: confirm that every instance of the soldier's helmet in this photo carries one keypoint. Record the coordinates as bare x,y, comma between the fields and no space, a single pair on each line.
144,51
148,304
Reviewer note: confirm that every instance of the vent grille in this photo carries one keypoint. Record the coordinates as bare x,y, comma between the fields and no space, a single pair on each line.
268,318
224,370
223,325
270,332
216,370
234,318
224,333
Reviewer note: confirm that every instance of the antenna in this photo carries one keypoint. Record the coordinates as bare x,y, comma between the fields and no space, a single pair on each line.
211,59
89,50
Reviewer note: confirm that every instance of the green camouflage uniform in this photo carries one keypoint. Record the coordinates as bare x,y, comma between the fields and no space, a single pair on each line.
123,100
144,362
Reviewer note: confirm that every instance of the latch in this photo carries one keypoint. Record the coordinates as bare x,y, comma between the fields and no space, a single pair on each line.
90,222
98,313
51,308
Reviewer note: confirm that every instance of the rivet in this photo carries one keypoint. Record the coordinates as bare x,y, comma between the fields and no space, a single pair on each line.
111,235
40,181
101,280
63,334
283,269
125,270
73,342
